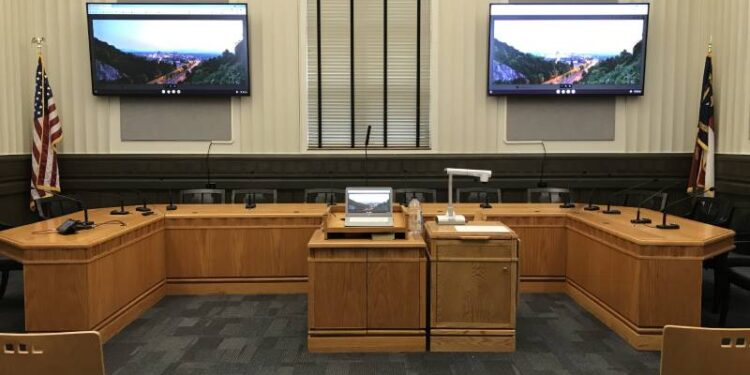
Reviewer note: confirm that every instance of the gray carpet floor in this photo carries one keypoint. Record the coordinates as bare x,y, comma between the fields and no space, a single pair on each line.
266,335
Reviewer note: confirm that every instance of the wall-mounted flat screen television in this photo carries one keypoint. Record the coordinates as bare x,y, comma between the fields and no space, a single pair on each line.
567,49
169,49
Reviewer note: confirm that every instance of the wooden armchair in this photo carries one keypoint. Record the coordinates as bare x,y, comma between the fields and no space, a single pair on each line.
71,353
703,351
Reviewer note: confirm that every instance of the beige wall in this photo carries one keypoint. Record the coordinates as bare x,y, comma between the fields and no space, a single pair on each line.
465,120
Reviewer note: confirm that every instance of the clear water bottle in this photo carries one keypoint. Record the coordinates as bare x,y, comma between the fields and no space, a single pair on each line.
415,217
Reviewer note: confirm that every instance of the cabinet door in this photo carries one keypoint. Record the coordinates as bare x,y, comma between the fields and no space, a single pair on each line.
473,294
338,288
394,281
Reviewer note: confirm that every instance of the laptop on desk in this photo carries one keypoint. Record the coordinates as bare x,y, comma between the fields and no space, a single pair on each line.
369,207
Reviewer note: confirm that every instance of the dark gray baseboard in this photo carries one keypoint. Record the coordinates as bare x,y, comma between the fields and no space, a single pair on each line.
102,180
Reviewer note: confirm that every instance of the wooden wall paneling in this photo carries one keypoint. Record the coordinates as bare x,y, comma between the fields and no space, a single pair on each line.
606,273
56,297
187,253
395,280
542,255
670,292
121,277
339,289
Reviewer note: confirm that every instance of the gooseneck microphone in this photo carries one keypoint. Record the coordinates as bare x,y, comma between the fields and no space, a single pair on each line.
171,206
250,201
609,210
122,210
644,220
591,206
209,184
367,144
542,183
664,224
85,224
144,207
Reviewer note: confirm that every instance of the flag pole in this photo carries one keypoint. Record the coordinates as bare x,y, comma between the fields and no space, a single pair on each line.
38,42
710,44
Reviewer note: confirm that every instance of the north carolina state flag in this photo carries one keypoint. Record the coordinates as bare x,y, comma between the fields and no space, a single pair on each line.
702,171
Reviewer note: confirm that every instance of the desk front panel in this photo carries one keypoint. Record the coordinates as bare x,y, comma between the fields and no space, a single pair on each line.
247,247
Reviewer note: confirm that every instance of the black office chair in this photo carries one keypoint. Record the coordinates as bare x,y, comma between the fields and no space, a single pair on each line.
259,195
324,195
202,196
405,195
479,195
53,206
737,263
6,265
636,197
713,211
547,195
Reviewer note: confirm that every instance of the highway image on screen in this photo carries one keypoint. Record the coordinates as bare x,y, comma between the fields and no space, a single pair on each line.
369,203
161,52
567,51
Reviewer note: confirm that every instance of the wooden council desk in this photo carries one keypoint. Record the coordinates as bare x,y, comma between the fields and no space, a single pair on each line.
634,278
103,279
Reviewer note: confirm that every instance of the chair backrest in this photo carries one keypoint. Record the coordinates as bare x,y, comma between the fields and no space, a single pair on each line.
260,195
405,195
51,207
324,195
202,196
547,195
701,351
635,197
712,211
740,224
479,195
72,353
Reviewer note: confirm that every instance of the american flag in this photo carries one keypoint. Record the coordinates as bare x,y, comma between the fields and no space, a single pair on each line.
702,170
47,134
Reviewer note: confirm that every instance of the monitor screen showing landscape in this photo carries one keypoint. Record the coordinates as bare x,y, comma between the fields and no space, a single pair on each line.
369,202
169,49
567,49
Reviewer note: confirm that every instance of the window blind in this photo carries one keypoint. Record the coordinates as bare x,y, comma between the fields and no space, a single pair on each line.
368,65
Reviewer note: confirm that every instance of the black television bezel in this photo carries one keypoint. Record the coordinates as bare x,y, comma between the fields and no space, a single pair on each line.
552,92
157,92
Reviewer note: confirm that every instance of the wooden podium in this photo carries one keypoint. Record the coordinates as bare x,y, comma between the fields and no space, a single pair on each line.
473,287
366,295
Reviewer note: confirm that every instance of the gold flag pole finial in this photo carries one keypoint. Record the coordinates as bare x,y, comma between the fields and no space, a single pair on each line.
710,44
38,42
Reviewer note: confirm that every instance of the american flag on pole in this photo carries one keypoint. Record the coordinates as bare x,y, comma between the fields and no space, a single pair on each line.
702,170
47,134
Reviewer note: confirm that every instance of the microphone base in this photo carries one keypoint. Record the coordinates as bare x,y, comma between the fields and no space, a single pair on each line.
643,220
611,212
143,209
210,185
485,205
568,205
84,225
171,207
119,212
591,208
250,206
671,226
